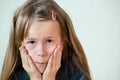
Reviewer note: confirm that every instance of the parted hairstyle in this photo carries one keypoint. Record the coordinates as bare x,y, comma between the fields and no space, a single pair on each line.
41,11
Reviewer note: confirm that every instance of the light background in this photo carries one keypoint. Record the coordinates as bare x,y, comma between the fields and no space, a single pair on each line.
97,25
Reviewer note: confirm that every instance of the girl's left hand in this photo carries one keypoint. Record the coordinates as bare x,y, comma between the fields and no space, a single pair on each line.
53,65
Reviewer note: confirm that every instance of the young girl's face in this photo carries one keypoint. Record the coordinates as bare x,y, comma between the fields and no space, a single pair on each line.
41,41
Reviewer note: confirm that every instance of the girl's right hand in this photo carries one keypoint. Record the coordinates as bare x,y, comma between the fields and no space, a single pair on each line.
29,65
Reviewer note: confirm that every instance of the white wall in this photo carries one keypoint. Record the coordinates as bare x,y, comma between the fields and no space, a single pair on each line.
7,8
97,25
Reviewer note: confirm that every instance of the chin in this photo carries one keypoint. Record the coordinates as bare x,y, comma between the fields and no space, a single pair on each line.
41,68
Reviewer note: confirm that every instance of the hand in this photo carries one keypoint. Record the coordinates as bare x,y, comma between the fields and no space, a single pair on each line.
29,65
53,65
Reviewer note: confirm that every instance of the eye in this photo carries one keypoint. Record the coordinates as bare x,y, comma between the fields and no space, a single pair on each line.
31,42
49,41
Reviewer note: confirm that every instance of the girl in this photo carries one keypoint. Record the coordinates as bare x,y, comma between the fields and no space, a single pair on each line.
43,45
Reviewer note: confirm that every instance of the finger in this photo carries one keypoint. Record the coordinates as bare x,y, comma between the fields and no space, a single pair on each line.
50,63
24,59
28,63
49,72
32,64
51,68
57,55
51,59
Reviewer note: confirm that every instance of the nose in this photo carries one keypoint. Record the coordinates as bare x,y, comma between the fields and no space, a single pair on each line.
40,50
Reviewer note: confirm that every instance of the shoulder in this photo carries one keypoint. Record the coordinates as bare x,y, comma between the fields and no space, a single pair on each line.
77,75
70,72
20,74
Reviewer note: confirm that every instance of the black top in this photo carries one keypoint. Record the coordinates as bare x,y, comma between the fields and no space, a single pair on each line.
64,73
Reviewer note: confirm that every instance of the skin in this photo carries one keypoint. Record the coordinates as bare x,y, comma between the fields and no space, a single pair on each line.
41,50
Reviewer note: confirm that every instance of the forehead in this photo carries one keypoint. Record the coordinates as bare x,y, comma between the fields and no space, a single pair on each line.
43,27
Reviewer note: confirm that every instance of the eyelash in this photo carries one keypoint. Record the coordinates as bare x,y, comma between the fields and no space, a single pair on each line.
31,42
49,41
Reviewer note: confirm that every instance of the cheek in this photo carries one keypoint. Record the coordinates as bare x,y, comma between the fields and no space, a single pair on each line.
32,55
30,51
50,49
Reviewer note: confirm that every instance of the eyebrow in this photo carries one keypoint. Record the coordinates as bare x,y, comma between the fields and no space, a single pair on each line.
50,36
30,38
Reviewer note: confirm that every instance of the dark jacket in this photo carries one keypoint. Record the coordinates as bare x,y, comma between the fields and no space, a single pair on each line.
64,73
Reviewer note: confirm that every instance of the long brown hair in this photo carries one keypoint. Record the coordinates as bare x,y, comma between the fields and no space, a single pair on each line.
41,10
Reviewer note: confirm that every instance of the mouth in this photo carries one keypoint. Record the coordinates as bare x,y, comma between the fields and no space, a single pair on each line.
41,63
